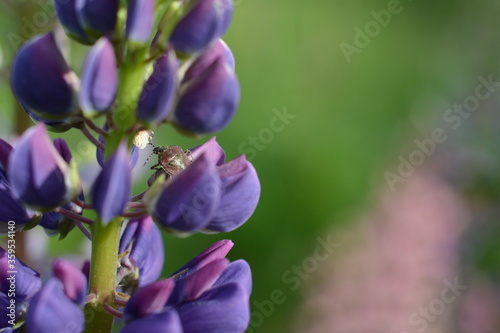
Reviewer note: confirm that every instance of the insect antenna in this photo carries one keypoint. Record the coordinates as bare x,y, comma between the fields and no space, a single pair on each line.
149,157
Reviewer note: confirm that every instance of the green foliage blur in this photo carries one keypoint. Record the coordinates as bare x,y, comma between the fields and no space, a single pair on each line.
350,119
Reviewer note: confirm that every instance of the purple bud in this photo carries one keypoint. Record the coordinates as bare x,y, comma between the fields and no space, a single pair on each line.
202,25
140,19
143,239
66,13
72,279
237,272
189,287
149,299
63,149
158,92
212,151
5,150
111,189
11,208
217,50
240,195
97,17
56,126
134,152
214,252
51,311
188,201
208,102
42,81
38,174
222,309
167,321
99,78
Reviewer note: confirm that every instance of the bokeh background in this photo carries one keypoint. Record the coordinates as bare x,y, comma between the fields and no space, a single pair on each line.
324,175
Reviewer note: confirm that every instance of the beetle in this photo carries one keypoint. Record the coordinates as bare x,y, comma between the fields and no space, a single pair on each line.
171,159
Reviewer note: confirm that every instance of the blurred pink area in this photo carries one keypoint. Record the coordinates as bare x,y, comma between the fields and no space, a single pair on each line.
400,258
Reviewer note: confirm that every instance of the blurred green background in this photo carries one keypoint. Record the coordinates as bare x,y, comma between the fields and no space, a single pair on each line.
350,121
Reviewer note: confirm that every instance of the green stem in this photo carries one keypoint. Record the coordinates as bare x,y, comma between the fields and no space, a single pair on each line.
105,241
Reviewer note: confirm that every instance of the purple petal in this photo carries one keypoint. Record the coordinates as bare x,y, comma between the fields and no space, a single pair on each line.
212,151
38,172
98,17
164,322
5,150
40,64
208,57
188,202
202,25
214,252
66,13
149,299
222,309
209,102
158,92
51,311
147,251
63,149
190,287
72,279
27,280
111,189
140,19
99,78
240,195
237,272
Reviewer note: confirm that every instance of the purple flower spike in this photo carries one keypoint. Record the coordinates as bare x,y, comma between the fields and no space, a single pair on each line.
140,19
99,78
165,322
202,25
240,195
221,309
98,17
186,203
207,58
149,299
143,239
72,279
158,93
38,174
51,311
66,13
208,103
111,189
42,81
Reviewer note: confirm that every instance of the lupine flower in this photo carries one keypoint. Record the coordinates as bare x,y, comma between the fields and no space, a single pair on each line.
210,295
140,19
111,189
97,17
186,203
40,64
208,57
39,176
202,25
99,78
27,284
143,239
212,196
158,92
52,311
208,102
11,209
67,15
